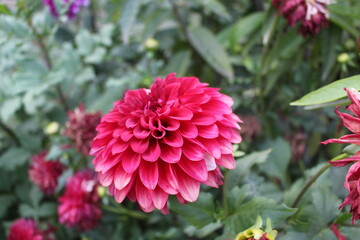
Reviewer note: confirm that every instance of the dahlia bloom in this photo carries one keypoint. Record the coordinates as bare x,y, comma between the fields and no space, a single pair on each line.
81,128
45,173
352,123
165,140
25,229
311,14
80,206
73,10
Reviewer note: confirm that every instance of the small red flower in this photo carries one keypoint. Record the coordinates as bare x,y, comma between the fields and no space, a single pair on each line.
334,228
81,128
45,173
25,229
311,14
80,206
166,140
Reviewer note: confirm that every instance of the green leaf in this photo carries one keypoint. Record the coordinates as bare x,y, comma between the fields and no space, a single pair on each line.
178,63
344,10
47,209
14,26
27,211
345,23
4,9
279,159
9,107
97,56
246,25
13,158
326,205
199,213
329,93
128,18
6,200
85,42
35,196
211,50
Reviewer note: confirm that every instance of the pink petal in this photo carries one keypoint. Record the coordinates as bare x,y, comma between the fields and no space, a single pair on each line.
210,162
350,122
210,132
153,152
149,174
225,146
203,118
354,96
173,139
106,178
213,180
188,130
167,178
130,161
181,114
120,195
139,145
132,122
170,154
121,178
212,146
226,161
159,198
195,169
141,133
126,134
189,188
217,107
143,195
193,151
169,124
119,146
350,138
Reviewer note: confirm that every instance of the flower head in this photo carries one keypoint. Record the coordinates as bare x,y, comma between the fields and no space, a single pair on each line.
350,122
79,206
311,14
73,9
81,128
25,229
45,173
166,140
256,233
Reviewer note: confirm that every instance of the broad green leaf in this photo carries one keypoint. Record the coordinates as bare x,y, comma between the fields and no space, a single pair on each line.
325,234
345,23
211,50
97,56
278,160
326,205
85,42
5,202
47,209
128,18
153,22
329,93
178,63
9,107
344,10
14,26
13,158
27,211
241,29
199,213
4,9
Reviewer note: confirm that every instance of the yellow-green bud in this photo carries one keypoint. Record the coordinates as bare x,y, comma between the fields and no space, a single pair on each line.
101,191
151,44
52,128
343,58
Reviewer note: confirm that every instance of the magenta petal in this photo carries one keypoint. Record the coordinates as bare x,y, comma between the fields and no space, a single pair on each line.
217,107
226,161
120,195
119,146
189,188
350,138
212,146
167,178
169,124
159,198
143,195
188,130
139,145
149,174
106,178
203,118
121,178
350,122
130,161
153,152
126,134
141,133
193,151
195,169
131,122
181,114
170,154
173,139
209,132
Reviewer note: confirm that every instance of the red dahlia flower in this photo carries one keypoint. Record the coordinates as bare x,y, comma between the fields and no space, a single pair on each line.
79,206
311,14
352,123
45,173
25,229
165,140
80,128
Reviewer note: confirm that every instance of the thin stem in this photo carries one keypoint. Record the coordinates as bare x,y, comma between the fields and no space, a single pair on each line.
92,8
10,132
49,65
314,178
122,210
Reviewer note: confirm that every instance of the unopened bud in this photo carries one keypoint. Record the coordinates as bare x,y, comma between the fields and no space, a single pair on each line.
52,128
343,58
151,44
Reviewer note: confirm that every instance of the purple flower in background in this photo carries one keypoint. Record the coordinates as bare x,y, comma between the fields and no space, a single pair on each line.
73,10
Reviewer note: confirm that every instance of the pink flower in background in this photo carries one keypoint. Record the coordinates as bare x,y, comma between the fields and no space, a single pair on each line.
45,173
166,140
311,14
350,122
25,229
73,10
81,128
79,206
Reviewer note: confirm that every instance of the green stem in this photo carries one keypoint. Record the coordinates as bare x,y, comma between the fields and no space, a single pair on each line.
11,133
122,210
315,177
